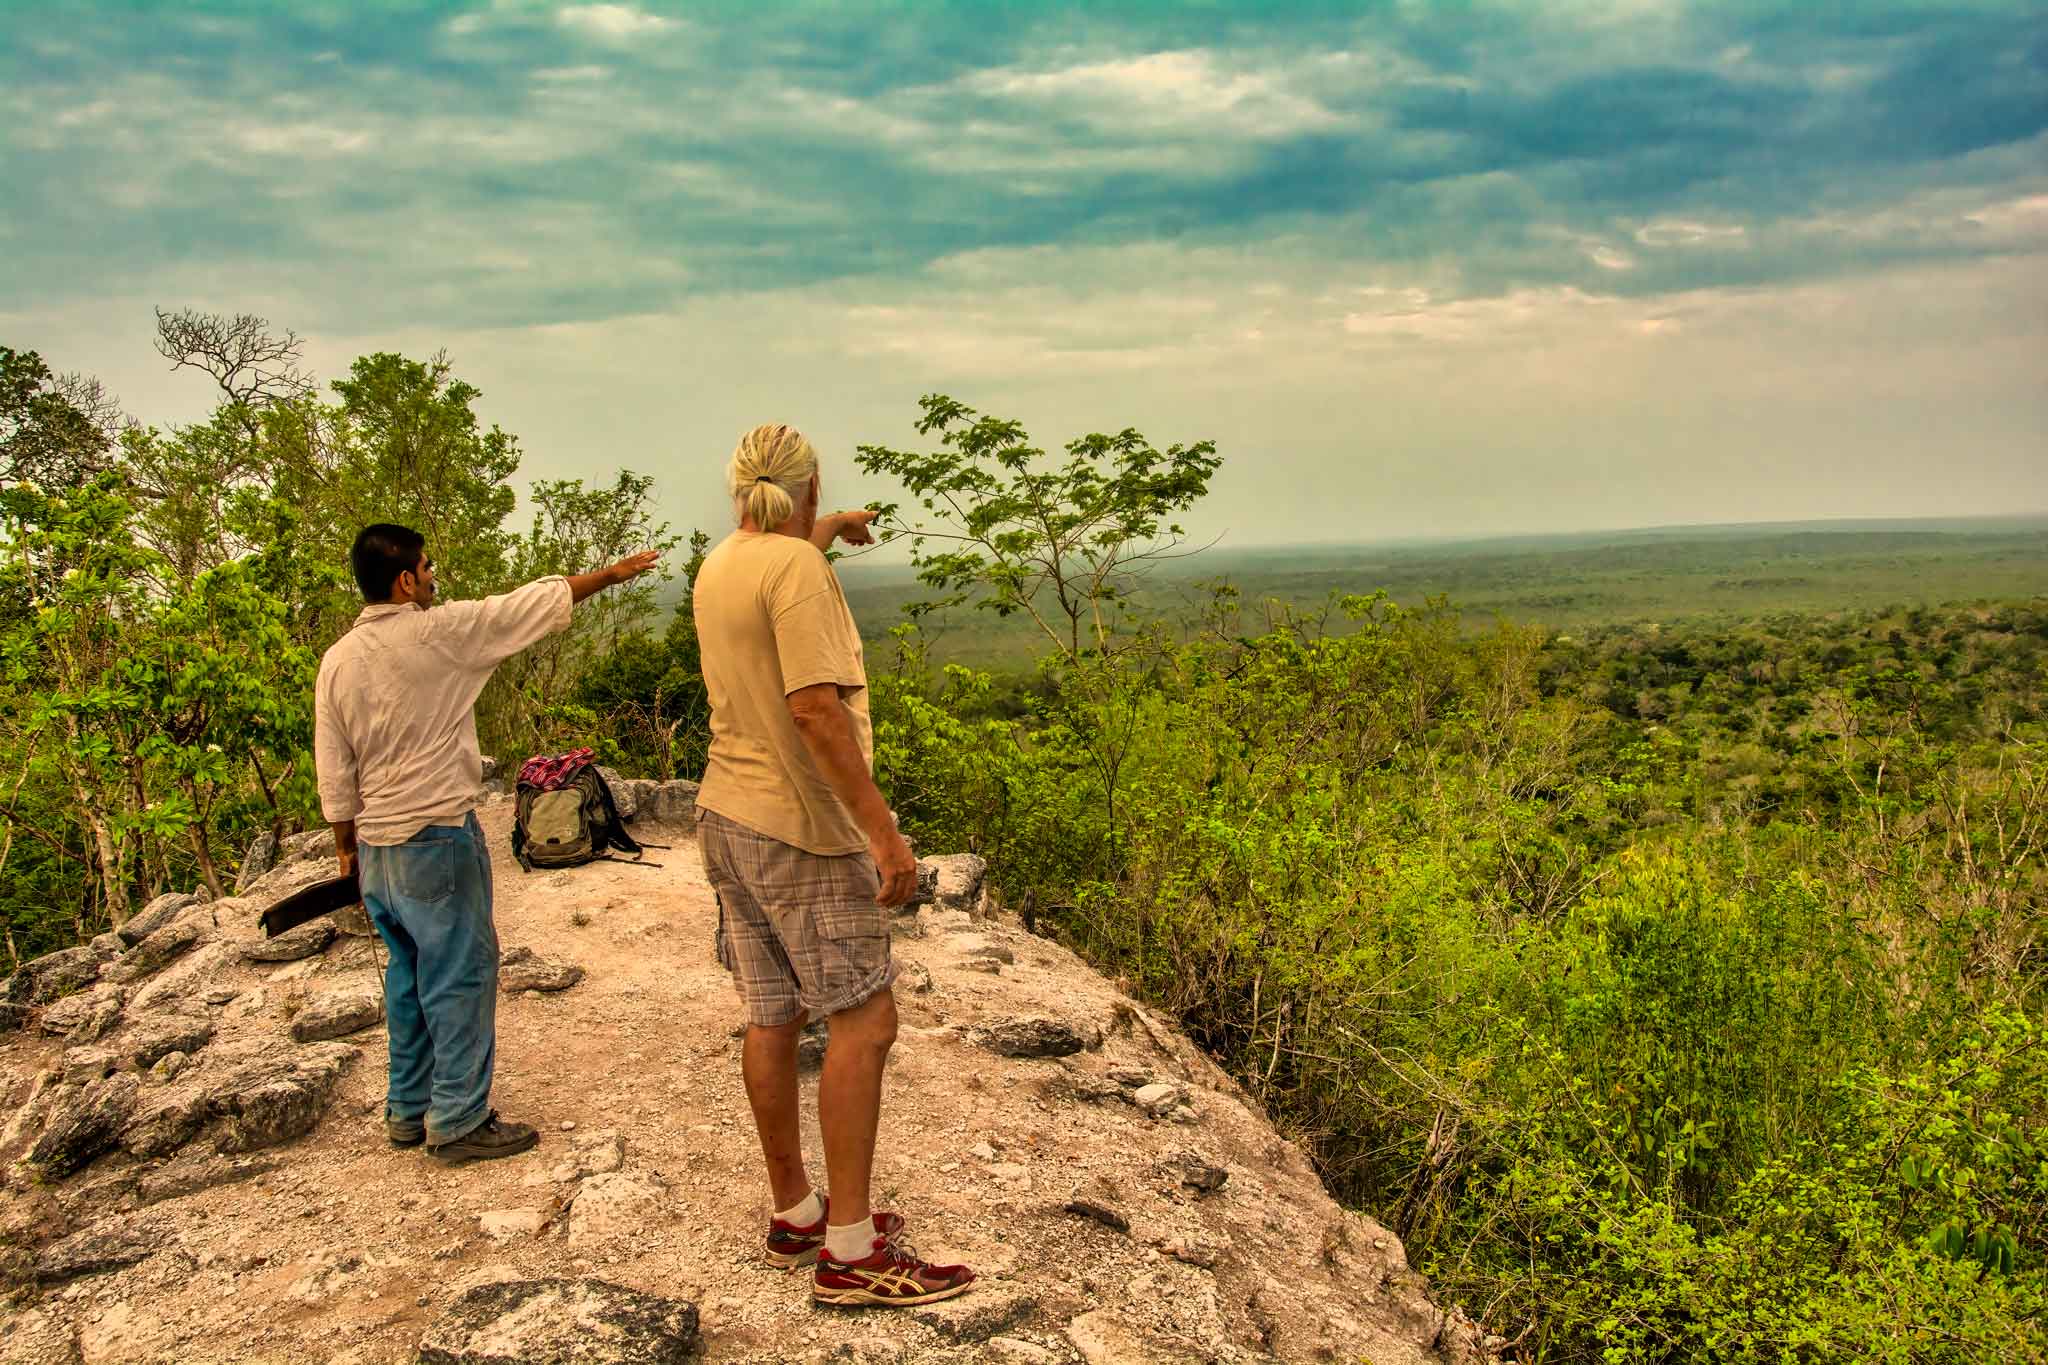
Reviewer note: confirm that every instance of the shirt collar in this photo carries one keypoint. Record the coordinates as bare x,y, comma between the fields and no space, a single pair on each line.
377,610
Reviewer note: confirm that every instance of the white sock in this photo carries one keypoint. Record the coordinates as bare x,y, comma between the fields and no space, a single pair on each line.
854,1242
806,1213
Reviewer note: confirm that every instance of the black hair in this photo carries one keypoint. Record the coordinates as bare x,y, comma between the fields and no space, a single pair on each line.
381,553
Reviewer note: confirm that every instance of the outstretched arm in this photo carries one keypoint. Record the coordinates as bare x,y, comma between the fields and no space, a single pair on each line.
583,585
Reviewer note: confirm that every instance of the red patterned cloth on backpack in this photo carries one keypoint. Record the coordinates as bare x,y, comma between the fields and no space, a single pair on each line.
550,771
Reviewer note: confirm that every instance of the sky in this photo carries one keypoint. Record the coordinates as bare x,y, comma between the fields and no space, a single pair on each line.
1419,269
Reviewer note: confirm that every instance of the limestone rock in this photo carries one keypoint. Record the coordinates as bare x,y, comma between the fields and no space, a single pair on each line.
75,1010
276,1097
85,1124
338,1013
625,795
165,1122
520,970
614,1207
502,1225
261,857
38,1338
293,944
1103,1338
1158,1098
52,976
183,986
637,791
598,1153
978,1315
1033,1036
191,1174
84,1065
106,1245
958,880
169,1065
161,1035
155,952
675,803
156,915
561,1322
106,947
300,848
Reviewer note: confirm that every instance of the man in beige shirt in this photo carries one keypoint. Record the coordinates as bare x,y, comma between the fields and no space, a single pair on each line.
394,746
806,860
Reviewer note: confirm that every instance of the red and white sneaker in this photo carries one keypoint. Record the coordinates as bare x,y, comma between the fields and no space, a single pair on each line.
891,1277
791,1247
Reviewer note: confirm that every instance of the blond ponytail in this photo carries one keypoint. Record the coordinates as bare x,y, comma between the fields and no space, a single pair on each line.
769,469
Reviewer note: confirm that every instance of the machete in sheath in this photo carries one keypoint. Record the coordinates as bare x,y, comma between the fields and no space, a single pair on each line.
321,898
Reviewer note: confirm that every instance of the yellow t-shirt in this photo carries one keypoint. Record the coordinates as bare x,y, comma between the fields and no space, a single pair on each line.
770,619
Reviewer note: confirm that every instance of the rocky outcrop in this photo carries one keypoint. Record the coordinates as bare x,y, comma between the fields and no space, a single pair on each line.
156,915
53,976
155,952
291,945
338,1013
259,859
85,1124
561,1322
520,970
1122,1200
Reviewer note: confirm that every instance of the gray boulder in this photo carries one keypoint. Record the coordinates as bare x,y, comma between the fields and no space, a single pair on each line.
38,1338
1033,1036
338,1013
162,1034
639,791
74,1010
490,769
304,847
86,1123
52,976
166,1122
957,880
293,944
520,970
156,915
154,953
625,794
261,857
675,803
562,1322
106,1245
277,1097
106,946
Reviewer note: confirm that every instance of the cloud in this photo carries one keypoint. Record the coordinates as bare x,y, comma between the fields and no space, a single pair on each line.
613,23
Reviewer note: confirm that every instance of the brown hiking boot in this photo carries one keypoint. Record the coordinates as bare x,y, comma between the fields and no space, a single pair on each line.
890,1277
403,1134
485,1142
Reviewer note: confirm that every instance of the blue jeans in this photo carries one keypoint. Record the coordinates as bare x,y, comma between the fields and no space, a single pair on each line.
430,899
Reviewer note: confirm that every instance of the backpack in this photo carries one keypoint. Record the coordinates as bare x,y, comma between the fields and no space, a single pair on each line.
564,815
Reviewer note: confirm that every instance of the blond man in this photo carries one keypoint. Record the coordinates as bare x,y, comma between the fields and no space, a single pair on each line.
806,860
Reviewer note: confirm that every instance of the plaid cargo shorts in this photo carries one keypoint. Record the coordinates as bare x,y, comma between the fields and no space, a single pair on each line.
799,931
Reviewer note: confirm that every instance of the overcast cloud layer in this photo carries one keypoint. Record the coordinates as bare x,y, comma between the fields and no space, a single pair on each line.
1419,268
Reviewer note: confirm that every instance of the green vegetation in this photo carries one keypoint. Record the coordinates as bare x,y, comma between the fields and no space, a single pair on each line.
1675,993
165,596
1673,986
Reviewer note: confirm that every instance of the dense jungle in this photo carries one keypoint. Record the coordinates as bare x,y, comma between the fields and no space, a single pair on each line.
1670,980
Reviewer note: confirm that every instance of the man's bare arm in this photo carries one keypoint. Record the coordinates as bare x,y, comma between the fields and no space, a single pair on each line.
583,585
851,527
345,845
827,734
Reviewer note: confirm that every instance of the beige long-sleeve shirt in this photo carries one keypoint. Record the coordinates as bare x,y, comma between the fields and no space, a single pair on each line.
394,708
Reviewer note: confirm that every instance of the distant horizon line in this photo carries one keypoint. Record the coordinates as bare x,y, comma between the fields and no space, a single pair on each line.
1847,522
